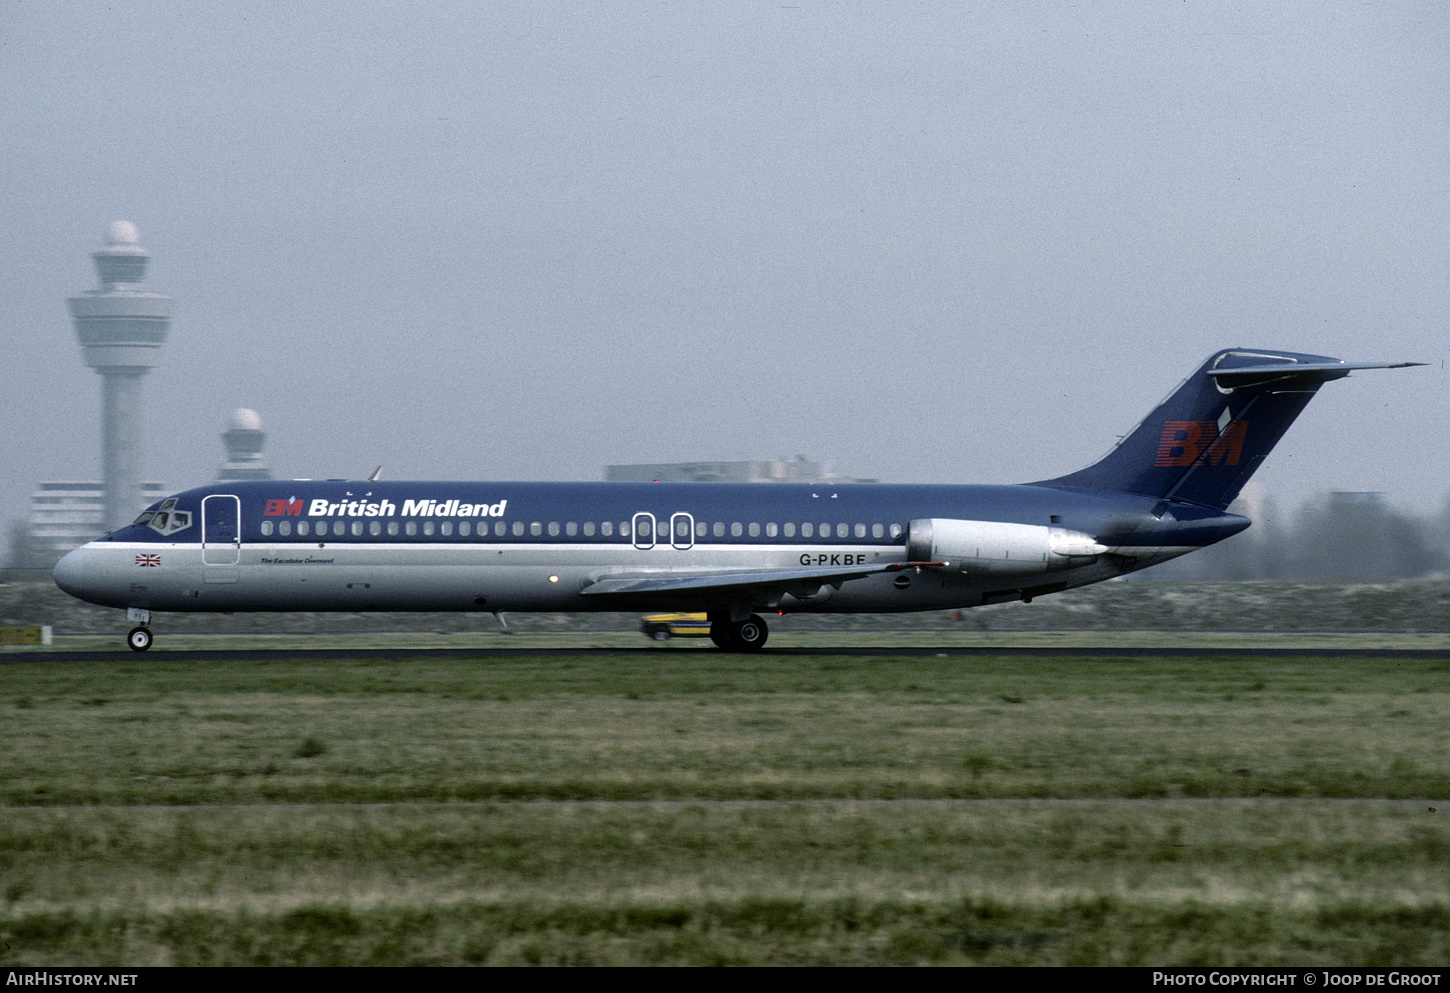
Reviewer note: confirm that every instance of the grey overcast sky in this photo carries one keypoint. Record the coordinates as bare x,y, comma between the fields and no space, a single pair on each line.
925,242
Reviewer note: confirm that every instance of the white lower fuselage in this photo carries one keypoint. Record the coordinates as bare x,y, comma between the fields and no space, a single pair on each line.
324,576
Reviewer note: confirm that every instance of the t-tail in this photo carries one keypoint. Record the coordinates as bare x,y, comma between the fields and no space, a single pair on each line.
1202,444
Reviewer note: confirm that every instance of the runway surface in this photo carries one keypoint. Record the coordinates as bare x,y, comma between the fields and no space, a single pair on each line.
697,655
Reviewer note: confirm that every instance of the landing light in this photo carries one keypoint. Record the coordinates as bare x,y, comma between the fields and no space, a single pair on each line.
553,579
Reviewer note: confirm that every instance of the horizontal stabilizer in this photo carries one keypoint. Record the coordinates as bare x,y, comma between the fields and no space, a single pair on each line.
1318,372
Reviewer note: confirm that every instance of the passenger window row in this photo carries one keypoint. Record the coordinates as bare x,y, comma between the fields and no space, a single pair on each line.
589,529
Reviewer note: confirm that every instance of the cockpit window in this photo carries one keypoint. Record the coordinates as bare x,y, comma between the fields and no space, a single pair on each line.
165,520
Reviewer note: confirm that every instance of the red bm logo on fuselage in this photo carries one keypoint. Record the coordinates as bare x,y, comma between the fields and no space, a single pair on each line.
283,508
1190,442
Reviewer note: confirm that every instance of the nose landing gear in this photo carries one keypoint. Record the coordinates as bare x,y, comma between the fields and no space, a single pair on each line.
139,639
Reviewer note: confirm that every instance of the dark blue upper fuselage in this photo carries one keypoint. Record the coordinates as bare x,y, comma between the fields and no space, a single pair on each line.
870,513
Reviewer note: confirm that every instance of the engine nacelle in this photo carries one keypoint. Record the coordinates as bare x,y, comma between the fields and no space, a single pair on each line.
994,547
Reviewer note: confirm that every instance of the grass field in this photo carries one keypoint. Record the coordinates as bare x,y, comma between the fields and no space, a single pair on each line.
675,806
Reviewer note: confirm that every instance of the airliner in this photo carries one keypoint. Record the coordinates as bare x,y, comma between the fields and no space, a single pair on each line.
730,551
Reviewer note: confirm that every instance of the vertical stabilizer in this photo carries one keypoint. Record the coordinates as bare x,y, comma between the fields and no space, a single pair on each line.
1206,439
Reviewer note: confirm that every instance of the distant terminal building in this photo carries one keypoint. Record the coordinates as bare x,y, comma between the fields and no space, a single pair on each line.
64,515
244,440
798,470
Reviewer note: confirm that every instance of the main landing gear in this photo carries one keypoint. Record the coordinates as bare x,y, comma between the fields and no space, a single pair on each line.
740,636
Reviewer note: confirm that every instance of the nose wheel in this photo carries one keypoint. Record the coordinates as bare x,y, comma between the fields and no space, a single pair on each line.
139,639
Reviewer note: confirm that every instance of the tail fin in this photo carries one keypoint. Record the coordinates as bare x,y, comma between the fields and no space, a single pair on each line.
1204,442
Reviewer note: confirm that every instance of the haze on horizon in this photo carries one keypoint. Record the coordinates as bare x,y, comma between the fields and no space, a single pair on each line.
923,242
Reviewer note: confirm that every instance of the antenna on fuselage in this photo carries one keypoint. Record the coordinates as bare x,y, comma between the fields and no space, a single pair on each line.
376,473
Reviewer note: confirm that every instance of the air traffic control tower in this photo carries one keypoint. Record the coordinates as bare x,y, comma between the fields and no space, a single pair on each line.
121,328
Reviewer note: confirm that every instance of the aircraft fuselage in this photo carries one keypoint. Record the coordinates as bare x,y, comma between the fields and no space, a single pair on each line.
358,546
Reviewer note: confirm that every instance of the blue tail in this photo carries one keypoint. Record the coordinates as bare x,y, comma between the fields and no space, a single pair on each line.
1204,442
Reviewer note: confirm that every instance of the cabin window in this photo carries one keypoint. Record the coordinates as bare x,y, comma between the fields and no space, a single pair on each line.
860,530
771,530
375,528
553,529
877,530
303,528
701,529
607,528
789,528
535,529
284,527
411,527
719,529
572,528
447,528
266,527
465,528
896,530
624,529
807,529
588,529
498,528
357,529
736,529
339,528
428,528
393,528
754,529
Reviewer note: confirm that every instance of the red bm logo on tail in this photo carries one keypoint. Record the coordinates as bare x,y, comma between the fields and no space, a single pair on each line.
1191,442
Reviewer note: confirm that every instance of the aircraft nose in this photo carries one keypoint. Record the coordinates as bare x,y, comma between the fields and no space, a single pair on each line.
70,572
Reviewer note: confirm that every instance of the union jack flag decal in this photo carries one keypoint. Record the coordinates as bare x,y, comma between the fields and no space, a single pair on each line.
148,560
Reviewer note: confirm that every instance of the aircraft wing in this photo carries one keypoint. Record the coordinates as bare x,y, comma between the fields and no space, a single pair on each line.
806,580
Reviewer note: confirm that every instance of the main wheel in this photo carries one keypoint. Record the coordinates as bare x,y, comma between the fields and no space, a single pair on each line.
722,633
749,635
139,639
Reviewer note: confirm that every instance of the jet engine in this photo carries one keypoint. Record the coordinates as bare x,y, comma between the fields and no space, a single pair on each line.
988,547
